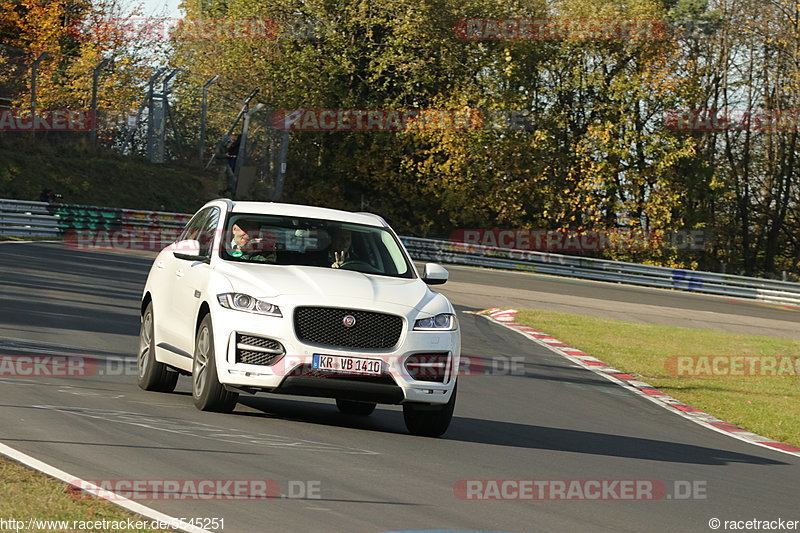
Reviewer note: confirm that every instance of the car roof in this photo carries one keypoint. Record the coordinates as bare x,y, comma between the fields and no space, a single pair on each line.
303,211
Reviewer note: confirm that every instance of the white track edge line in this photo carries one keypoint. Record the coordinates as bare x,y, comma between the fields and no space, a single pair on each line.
130,505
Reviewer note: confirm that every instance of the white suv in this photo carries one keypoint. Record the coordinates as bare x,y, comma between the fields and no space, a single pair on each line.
268,297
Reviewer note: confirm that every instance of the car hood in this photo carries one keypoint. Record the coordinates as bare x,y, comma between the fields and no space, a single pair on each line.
325,285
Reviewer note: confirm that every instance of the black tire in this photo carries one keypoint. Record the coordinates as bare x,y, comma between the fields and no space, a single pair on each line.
152,375
350,407
429,420
208,393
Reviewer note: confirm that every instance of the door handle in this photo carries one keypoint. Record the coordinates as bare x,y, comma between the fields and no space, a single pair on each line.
179,273
160,265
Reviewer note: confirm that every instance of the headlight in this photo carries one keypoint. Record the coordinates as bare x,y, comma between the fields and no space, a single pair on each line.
244,302
440,322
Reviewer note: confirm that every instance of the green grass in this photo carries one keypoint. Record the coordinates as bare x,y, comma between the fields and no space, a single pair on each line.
103,178
769,406
26,493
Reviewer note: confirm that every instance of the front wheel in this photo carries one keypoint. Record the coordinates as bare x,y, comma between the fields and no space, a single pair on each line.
151,374
429,420
208,393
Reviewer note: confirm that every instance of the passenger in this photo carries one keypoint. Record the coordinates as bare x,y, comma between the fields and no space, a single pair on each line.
339,252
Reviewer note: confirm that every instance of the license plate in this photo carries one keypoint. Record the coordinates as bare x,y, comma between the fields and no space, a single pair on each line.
350,365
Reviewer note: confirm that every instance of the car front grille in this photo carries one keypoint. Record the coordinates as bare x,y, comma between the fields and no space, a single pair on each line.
253,350
325,326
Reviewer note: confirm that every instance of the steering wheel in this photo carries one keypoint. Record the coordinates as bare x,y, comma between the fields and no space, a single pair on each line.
360,266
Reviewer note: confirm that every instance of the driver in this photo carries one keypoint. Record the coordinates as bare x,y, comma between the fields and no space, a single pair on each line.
244,246
339,252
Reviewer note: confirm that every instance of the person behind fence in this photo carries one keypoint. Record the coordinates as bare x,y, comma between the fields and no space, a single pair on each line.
231,156
233,152
46,195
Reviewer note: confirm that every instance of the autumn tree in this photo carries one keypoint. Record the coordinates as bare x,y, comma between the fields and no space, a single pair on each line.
76,36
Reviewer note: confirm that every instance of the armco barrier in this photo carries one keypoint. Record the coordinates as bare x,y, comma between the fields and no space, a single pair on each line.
40,219
779,292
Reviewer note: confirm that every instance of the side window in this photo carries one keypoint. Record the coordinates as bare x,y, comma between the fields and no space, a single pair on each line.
207,232
192,229
202,228
395,256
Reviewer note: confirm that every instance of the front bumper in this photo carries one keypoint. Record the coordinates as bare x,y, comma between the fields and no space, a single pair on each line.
292,372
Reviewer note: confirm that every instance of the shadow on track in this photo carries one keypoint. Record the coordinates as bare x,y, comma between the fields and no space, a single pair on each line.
574,441
495,433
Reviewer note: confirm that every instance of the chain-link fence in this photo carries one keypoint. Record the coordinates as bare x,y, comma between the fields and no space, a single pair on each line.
167,115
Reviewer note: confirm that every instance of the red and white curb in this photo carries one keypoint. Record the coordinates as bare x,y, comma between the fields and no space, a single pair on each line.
507,317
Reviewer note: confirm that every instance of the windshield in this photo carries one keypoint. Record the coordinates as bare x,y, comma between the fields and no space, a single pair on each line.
284,240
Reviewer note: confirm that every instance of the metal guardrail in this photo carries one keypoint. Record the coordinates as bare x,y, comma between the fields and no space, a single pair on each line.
771,291
41,219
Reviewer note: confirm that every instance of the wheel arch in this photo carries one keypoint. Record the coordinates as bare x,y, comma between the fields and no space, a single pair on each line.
204,310
146,300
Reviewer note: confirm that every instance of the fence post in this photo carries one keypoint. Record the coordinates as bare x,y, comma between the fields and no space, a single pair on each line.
34,68
243,145
160,144
242,111
281,166
95,79
203,111
145,103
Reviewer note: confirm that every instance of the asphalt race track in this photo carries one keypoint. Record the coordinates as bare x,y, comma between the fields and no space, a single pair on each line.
555,422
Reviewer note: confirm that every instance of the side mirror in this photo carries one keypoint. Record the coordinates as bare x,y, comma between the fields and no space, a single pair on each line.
188,249
434,274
